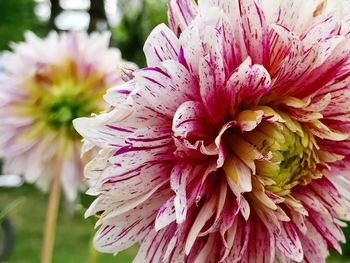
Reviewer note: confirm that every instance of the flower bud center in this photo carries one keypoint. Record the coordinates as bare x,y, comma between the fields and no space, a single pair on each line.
66,102
57,94
287,154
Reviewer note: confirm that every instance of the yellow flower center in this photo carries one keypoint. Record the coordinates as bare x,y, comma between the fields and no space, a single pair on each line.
57,94
65,102
291,157
280,154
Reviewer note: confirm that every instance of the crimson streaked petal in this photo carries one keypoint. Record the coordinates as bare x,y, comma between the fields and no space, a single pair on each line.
246,84
289,243
161,45
255,31
180,14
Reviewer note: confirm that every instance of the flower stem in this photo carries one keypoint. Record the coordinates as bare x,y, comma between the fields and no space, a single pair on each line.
51,218
94,255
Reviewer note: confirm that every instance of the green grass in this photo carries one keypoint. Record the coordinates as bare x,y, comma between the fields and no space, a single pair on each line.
73,232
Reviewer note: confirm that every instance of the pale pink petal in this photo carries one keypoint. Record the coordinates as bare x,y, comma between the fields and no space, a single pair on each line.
154,248
330,65
190,121
98,130
211,81
205,213
240,243
261,247
328,229
128,228
206,254
166,214
289,243
248,83
285,48
162,44
116,96
180,14
295,14
178,181
71,176
156,84
333,200
255,31
314,246
320,31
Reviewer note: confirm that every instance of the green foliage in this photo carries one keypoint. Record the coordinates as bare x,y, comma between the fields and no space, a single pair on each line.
17,16
72,235
135,26
86,200
346,246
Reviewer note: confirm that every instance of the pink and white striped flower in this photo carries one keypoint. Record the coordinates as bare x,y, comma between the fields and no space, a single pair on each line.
47,83
233,144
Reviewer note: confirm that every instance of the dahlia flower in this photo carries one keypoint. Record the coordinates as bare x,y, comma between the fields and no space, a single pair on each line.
233,144
46,84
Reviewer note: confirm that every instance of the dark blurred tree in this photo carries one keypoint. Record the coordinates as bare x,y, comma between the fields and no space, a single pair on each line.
135,26
56,9
17,16
97,15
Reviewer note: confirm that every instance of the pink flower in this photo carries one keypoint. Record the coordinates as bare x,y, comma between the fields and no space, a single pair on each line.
45,85
233,145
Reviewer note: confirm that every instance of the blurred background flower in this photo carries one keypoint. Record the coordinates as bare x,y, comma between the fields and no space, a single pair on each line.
45,85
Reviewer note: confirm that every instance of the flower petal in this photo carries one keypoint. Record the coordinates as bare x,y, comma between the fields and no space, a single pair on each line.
247,84
255,31
166,214
178,181
161,45
289,244
180,14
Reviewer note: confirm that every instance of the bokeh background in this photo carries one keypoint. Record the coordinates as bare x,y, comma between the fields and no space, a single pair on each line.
130,22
